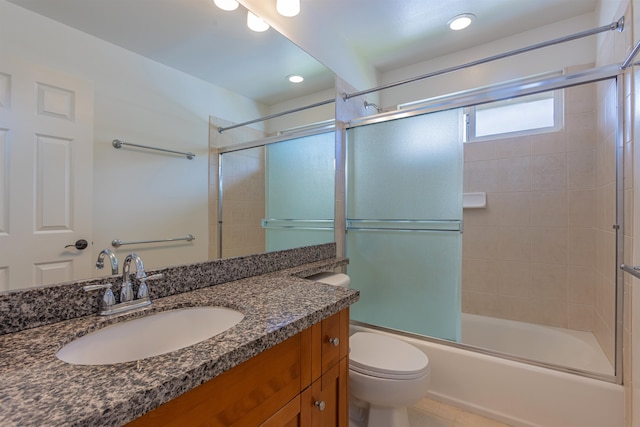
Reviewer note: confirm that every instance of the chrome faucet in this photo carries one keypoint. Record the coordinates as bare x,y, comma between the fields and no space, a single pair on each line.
127,302
112,259
126,292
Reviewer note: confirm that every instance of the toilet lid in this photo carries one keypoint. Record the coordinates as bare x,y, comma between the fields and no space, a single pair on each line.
386,357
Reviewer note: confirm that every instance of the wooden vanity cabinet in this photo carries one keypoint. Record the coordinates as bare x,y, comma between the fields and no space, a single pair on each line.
301,382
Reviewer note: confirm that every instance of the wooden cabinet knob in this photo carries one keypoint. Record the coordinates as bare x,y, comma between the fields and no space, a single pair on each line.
320,405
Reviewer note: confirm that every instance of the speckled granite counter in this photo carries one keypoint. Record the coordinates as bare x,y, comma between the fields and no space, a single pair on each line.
37,389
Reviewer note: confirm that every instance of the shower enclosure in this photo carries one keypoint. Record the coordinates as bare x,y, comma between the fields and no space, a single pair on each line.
541,252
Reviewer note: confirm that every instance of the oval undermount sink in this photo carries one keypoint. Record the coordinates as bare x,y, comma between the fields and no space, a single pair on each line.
148,336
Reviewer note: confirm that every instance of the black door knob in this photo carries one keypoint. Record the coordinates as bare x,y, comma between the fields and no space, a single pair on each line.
79,244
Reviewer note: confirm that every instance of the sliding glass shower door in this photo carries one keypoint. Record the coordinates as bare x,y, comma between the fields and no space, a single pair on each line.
404,222
300,176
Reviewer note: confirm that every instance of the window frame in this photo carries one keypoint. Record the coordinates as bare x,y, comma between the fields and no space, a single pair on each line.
470,118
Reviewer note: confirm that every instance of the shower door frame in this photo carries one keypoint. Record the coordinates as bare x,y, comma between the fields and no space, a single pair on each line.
508,90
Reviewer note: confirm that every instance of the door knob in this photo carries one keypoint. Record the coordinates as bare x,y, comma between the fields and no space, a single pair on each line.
80,244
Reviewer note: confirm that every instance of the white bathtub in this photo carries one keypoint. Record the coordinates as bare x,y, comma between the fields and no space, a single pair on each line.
516,393
558,346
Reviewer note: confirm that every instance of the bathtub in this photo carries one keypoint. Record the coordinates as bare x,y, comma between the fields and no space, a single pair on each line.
558,346
517,393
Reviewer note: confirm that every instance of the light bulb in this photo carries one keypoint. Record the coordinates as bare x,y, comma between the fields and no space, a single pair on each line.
288,7
293,78
226,4
256,23
461,22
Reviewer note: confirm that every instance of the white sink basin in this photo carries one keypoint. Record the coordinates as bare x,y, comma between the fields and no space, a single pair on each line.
149,336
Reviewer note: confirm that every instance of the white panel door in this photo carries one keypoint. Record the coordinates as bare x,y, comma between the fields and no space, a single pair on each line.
46,177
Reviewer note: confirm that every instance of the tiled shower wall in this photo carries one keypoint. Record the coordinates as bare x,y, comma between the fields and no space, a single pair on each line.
243,193
531,255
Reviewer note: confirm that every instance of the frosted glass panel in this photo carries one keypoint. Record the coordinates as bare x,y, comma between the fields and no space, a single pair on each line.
300,176
407,169
404,213
407,280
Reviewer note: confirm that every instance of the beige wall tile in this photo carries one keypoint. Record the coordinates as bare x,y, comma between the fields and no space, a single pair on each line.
480,243
514,243
549,172
549,245
480,303
549,208
581,169
581,317
581,282
514,174
582,246
581,206
513,147
485,150
480,275
481,176
549,281
515,278
547,143
513,209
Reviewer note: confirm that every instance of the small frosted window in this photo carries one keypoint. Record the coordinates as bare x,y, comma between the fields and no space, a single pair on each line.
514,117
527,114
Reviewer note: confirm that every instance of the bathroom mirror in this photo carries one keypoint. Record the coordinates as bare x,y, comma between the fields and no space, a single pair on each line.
157,91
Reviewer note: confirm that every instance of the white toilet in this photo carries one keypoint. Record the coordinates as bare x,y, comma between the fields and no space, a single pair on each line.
386,375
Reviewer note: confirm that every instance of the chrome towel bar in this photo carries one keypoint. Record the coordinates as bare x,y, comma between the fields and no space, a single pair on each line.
117,242
634,271
118,144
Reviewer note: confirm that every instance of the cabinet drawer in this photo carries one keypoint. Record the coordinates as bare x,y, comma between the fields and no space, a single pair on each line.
245,395
325,403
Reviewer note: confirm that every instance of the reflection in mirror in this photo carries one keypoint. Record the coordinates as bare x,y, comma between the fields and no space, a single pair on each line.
130,194
278,196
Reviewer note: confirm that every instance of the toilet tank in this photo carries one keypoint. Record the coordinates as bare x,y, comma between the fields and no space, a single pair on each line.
329,278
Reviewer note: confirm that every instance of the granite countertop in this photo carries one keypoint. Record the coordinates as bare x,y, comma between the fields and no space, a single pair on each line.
37,389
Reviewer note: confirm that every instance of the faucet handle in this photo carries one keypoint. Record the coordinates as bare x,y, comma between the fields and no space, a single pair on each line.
108,299
143,289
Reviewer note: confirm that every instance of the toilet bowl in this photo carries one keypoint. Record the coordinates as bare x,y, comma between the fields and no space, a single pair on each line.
386,375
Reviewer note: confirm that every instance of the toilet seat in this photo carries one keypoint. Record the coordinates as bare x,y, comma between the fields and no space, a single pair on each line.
381,356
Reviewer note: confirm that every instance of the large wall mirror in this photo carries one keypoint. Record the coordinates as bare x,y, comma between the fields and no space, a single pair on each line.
74,76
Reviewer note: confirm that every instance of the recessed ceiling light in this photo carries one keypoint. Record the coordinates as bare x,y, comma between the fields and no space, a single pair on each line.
288,7
460,22
256,23
226,4
293,78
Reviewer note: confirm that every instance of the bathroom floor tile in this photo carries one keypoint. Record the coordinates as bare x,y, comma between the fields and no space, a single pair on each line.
431,413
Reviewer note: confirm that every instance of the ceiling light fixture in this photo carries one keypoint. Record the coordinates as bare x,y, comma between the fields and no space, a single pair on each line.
227,4
256,23
288,7
293,78
460,22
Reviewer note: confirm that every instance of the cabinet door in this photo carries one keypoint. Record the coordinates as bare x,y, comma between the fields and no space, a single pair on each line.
287,416
325,403
335,339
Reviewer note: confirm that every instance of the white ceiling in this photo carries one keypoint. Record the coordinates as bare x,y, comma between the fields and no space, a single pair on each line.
194,36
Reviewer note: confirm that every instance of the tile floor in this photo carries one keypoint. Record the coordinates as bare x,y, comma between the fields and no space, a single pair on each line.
431,413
